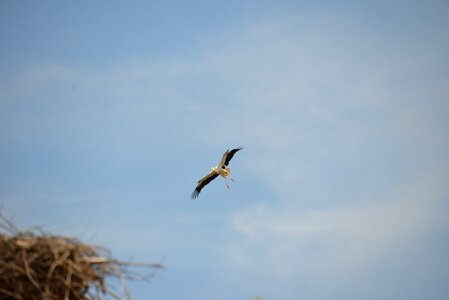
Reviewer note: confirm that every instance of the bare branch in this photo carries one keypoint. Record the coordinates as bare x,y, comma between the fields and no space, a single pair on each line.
35,265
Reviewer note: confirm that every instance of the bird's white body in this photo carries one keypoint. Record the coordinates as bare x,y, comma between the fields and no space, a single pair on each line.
223,172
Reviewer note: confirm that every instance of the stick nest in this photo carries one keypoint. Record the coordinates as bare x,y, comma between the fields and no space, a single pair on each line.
38,266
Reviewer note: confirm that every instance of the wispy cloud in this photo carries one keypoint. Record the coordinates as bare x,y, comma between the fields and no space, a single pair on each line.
359,231
345,127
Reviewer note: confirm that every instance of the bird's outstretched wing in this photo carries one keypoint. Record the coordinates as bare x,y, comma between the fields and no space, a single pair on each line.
202,183
229,154
223,159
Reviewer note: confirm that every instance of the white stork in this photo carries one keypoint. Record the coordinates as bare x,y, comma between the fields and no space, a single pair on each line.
222,169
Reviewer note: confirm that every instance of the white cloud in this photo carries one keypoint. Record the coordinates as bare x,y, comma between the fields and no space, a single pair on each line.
330,246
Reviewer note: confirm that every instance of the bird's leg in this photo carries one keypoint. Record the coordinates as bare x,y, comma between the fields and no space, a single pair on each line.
227,185
232,179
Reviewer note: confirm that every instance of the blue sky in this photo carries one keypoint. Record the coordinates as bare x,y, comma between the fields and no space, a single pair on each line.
111,111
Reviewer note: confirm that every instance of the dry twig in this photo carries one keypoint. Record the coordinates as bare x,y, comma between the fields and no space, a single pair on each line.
37,266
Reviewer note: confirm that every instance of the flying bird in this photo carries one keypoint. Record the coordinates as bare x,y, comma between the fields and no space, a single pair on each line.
222,169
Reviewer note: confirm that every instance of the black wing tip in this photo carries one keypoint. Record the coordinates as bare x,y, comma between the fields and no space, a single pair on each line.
236,148
195,194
